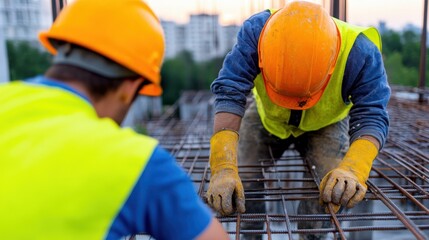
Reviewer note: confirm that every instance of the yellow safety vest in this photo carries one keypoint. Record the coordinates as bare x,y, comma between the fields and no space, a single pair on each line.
64,173
330,108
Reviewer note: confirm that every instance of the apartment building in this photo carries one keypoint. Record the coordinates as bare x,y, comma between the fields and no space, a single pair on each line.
202,36
23,19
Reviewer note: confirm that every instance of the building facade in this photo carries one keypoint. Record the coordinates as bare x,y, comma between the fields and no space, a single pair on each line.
228,38
174,38
23,19
4,66
202,36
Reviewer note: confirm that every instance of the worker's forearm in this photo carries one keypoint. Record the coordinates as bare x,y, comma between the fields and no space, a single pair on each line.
225,120
213,231
372,139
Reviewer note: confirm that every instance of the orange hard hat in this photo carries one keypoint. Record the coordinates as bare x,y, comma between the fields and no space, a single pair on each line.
298,50
125,31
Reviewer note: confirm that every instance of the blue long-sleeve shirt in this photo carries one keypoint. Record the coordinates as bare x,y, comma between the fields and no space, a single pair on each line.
365,81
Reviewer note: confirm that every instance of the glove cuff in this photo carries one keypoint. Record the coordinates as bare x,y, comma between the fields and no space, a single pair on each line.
223,150
359,158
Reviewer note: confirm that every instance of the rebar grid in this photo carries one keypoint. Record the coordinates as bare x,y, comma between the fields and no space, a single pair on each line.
396,204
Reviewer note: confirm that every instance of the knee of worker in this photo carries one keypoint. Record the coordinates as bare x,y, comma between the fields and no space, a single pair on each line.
255,204
253,145
254,189
252,236
310,206
321,166
252,223
334,137
251,118
313,236
327,147
251,127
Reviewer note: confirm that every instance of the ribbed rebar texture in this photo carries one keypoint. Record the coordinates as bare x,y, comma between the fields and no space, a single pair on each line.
396,205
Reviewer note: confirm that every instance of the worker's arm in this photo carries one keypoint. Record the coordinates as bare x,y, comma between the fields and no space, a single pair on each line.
164,204
365,84
226,121
231,88
213,232
373,140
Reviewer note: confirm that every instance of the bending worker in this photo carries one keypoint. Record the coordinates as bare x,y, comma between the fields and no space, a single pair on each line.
67,169
318,83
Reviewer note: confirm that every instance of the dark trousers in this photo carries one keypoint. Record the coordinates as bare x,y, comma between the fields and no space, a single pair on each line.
323,149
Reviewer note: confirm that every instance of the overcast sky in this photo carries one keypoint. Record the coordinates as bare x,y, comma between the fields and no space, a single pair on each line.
396,13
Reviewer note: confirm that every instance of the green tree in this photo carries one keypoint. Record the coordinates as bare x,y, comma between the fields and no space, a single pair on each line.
25,60
411,49
207,72
398,73
401,52
183,73
391,42
177,75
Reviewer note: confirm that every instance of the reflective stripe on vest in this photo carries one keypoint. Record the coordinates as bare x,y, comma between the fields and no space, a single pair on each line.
330,108
64,173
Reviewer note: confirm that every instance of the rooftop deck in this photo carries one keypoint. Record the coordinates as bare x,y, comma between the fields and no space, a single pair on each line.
396,204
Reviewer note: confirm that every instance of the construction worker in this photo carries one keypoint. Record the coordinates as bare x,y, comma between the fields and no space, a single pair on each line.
318,83
67,170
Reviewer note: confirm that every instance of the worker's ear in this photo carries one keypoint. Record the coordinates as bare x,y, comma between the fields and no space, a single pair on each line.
128,89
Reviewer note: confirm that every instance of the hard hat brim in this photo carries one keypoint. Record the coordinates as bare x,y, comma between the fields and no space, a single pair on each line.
294,103
151,90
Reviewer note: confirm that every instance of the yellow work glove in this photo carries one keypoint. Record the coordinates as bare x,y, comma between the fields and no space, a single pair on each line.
345,185
225,193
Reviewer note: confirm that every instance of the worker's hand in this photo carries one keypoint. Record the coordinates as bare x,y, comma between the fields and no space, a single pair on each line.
225,193
345,185
342,187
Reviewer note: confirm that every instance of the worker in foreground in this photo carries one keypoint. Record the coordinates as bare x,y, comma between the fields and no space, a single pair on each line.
67,170
318,83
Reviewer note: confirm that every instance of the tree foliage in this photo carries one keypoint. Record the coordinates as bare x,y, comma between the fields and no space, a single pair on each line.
401,52
398,73
391,42
183,73
26,60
